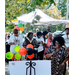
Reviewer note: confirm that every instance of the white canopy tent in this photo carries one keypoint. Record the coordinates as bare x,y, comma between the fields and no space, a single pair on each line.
56,22
44,19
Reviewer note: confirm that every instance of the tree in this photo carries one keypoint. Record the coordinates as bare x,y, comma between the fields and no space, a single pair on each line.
15,8
9,28
62,7
54,12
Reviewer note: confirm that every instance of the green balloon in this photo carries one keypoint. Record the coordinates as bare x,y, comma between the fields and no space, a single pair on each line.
17,56
20,25
17,48
9,55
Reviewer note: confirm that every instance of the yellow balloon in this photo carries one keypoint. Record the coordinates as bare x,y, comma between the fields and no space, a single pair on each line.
22,28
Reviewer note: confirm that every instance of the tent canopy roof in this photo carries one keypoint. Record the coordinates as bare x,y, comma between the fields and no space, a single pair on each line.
44,19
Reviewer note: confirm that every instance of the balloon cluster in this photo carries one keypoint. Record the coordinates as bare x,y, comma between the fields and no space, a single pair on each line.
21,51
30,51
20,27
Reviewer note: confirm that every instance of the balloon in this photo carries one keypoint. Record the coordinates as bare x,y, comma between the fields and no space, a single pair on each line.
68,26
30,46
30,56
22,51
13,56
30,51
9,55
17,27
22,28
20,25
17,56
17,48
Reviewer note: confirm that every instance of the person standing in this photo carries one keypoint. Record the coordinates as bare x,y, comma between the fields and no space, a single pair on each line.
58,56
49,40
15,40
30,40
48,29
66,38
7,48
40,41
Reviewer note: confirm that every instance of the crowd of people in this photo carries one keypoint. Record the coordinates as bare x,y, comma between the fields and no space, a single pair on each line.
47,48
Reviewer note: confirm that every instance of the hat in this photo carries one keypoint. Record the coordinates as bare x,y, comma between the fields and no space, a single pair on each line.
15,29
37,29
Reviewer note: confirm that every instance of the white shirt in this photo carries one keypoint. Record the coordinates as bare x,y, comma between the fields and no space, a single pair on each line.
40,48
17,40
66,40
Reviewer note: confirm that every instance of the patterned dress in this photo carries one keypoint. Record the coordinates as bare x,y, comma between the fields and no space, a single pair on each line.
57,59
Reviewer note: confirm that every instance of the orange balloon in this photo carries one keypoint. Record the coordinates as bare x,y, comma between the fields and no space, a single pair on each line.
13,56
30,56
22,28
22,51
30,46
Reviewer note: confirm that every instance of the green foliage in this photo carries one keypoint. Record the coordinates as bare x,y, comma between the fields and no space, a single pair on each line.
62,7
6,24
53,29
60,27
15,8
9,28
